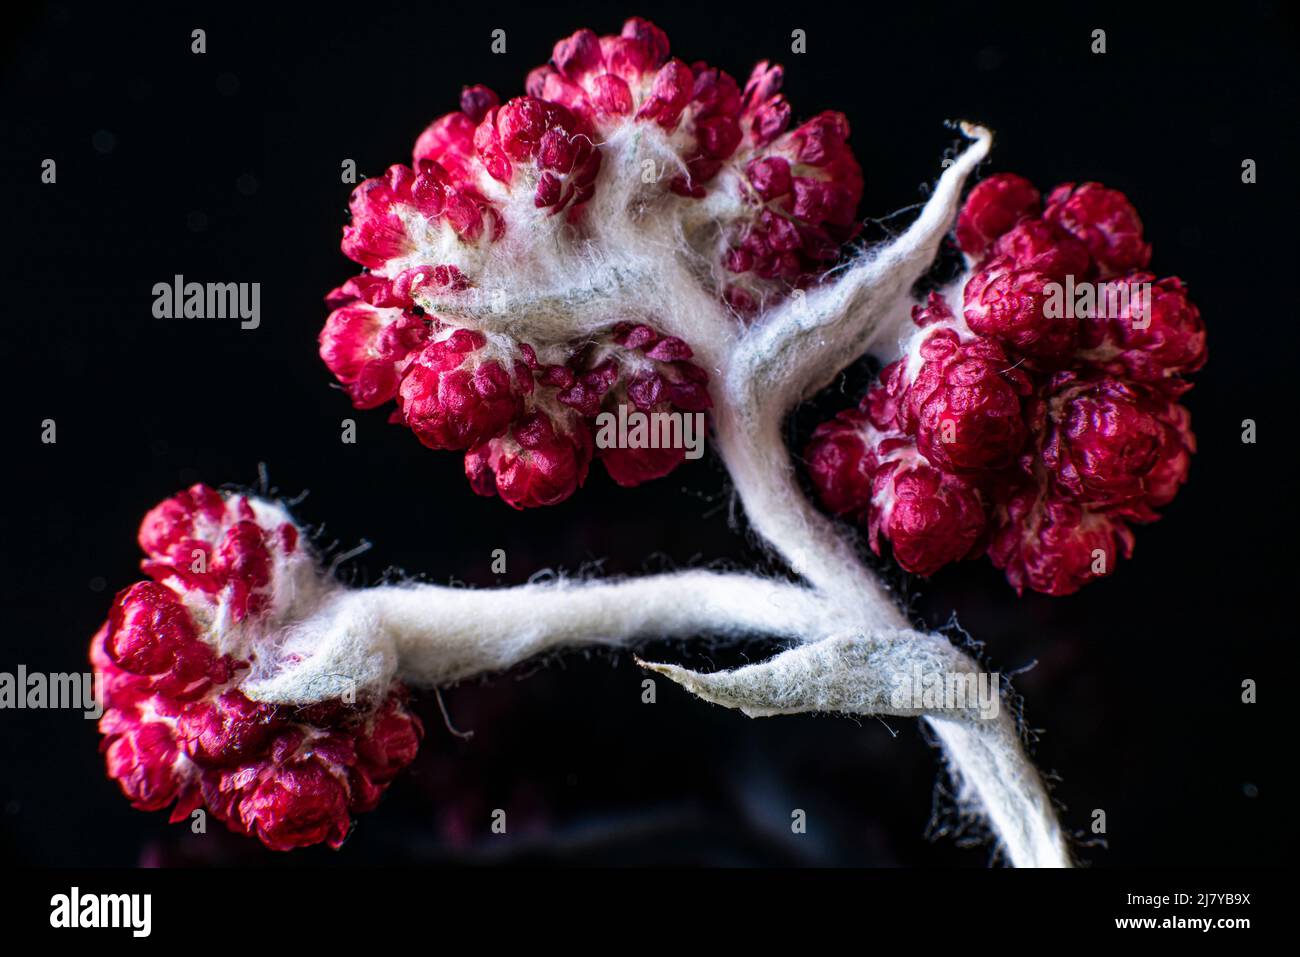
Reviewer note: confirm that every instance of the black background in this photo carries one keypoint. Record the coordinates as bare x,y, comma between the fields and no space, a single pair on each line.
225,167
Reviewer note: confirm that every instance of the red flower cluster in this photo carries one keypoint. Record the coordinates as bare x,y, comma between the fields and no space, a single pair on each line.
527,426
794,192
1037,419
176,727
521,410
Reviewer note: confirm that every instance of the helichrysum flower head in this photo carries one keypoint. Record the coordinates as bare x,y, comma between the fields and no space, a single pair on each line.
229,572
1050,429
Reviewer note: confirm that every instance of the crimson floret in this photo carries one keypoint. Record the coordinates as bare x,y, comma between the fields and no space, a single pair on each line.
929,516
963,405
993,207
1103,220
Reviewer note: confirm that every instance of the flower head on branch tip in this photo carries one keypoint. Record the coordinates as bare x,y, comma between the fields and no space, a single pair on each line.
1034,414
228,572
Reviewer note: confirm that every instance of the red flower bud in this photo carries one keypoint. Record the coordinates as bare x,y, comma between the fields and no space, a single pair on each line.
1102,441
1035,245
175,522
842,463
964,405
537,462
385,208
296,805
578,55
611,96
452,396
1172,464
1104,221
993,207
150,633
883,401
1056,546
930,517
449,141
671,90
219,731
635,368
367,349
1154,339
388,741
142,759
529,130
805,187
1010,304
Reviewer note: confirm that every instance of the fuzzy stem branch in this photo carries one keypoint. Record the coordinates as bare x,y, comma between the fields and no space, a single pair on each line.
790,356
446,634
994,777
432,635
799,349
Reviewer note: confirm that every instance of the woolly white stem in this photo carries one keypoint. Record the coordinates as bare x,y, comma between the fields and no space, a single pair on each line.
993,776
358,642
444,634
431,635
763,473
796,352
800,348
879,673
